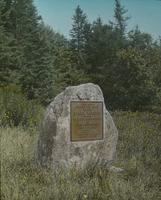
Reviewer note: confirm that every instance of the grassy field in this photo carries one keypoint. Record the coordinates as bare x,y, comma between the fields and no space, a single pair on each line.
138,153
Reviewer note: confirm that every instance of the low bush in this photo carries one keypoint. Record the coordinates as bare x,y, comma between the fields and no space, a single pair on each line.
16,109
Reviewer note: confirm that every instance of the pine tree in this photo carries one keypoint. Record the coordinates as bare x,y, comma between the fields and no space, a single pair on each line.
7,16
78,35
120,17
101,54
36,67
66,72
140,40
37,73
10,55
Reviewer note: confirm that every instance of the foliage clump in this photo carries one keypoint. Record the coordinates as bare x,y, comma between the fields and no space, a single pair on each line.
17,110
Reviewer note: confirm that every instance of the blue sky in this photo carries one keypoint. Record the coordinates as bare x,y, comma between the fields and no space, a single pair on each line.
58,13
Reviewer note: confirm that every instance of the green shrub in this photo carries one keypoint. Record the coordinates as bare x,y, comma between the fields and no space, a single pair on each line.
16,109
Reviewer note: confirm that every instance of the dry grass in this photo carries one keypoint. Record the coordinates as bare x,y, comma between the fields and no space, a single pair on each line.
139,153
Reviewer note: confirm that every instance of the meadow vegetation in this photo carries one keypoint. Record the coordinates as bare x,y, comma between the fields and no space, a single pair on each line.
138,153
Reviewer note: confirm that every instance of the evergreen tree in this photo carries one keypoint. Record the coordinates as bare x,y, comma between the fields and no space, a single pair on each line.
37,73
10,55
97,46
120,17
78,34
36,68
101,54
7,15
66,72
133,86
139,40
25,19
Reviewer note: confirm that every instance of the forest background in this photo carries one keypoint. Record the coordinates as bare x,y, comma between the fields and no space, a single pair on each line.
40,62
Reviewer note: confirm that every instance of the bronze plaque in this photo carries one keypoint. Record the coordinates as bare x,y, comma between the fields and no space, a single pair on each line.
86,118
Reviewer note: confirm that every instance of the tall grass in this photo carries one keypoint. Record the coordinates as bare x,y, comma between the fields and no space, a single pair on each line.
138,153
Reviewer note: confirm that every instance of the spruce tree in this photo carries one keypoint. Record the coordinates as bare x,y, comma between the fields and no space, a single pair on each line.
66,72
36,67
120,17
10,55
78,34
37,74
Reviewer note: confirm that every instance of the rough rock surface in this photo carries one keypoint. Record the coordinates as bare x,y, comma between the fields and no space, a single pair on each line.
54,146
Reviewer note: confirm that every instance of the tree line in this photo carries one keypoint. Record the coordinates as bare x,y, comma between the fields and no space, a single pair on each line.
125,64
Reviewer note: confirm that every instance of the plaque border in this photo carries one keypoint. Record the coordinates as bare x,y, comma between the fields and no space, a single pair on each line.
91,101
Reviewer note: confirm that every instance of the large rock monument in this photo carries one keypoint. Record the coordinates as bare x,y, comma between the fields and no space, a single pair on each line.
77,130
